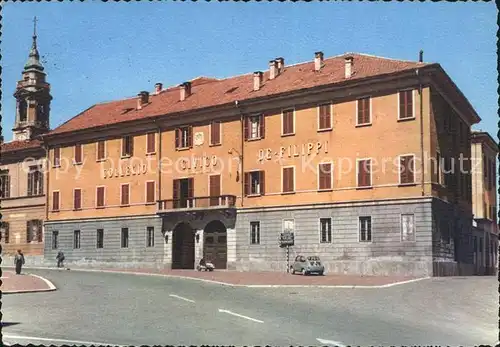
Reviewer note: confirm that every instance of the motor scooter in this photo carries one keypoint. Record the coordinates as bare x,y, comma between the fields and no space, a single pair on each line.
205,266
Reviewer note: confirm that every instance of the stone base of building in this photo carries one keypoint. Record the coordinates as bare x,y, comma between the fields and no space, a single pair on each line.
30,260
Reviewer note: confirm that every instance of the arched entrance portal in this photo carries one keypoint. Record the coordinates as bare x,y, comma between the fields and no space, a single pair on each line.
215,244
183,247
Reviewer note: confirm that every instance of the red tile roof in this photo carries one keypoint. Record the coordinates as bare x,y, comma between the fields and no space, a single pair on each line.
19,145
208,92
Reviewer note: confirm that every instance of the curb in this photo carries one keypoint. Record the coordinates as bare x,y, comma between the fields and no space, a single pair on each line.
51,288
240,285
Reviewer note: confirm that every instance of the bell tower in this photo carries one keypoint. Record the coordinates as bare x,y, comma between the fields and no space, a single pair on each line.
33,98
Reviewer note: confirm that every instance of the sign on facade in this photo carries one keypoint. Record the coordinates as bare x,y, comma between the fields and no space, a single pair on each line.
295,151
127,170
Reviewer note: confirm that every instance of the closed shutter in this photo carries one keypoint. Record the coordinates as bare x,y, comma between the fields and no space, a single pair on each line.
190,187
246,127
6,194
190,136
363,111
406,104
124,146
57,156
55,201
178,138
100,196
262,126
29,235
39,234
262,181
77,199
131,145
150,191
324,117
125,194
288,183
40,182
151,145
100,150
364,173
215,133
176,189
325,176
247,183
78,153
287,122
214,190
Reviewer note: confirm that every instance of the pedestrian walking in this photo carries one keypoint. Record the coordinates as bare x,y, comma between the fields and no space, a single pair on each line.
60,259
19,261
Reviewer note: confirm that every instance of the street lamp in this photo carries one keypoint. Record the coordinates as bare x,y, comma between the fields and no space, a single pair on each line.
240,157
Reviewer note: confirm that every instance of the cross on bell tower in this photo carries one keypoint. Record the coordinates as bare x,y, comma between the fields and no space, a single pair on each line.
33,97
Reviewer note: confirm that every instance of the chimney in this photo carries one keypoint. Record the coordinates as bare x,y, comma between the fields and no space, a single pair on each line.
143,99
348,66
1,140
185,90
158,88
281,64
257,80
421,56
318,61
273,67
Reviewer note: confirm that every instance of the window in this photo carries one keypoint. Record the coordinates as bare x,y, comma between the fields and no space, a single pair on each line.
150,192
325,176
364,173
325,230
127,146
78,154
184,137
288,184
100,238
101,150
35,181
125,194
406,104
100,197
4,232
324,117
4,185
254,183
77,199
288,225
254,127
407,169
287,122
55,239
365,229
215,133
363,107
34,231
57,157
151,143
55,201
407,227
150,237
124,238
254,233
76,239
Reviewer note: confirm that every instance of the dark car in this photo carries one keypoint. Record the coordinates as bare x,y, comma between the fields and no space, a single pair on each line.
307,265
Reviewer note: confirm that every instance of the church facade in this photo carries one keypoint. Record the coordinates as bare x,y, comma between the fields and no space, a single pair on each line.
356,156
22,163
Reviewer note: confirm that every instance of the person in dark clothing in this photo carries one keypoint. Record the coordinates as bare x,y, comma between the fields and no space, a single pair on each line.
60,259
19,261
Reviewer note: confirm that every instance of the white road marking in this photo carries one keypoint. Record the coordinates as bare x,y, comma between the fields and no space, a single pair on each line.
59,340
180,297
4,277
330,342
47,282
240,315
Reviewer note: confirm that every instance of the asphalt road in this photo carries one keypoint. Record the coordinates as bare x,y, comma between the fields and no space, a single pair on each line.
123,309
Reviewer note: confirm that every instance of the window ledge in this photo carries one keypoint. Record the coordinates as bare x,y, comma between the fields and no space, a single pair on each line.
254,138
215,144
407,184
127,205
406,119
287,193
100,160
290,134
125,157
100,207
363,125
253,195
325,190
150,203
325,130
151,153
182,148
366,187
79,163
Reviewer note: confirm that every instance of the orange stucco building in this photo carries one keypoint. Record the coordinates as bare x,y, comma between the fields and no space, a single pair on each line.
358,156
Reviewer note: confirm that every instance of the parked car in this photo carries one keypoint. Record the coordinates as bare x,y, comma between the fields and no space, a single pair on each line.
307,265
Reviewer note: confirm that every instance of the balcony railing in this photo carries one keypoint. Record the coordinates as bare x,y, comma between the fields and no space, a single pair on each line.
197,203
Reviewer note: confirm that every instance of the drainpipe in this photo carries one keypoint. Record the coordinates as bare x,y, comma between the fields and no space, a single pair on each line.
46,188
422,167
242,128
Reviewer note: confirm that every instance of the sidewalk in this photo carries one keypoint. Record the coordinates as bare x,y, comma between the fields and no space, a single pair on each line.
266,279
24,283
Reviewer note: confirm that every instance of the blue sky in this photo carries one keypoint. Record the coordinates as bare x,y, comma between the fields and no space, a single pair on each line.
95,52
